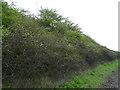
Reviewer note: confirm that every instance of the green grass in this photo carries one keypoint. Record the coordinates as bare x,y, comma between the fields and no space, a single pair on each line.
91,78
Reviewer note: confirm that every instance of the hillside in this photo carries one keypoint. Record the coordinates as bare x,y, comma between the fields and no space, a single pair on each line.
47,46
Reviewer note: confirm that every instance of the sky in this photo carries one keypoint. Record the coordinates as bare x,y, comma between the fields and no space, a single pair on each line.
97,18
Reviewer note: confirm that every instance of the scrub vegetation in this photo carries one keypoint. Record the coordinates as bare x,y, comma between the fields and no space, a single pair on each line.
43,50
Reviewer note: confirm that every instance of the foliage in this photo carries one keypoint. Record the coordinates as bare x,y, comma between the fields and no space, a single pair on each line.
8,14
50,18
49,46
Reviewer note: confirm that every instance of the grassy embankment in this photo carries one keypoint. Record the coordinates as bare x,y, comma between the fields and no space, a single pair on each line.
92,78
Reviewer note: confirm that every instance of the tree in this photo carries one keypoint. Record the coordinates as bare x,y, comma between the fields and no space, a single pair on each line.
49,17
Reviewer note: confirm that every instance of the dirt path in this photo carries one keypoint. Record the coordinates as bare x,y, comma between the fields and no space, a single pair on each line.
112,81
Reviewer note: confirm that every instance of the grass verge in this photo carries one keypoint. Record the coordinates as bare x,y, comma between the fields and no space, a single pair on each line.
91,78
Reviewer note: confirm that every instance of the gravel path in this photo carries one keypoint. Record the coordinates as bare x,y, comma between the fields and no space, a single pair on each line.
112,81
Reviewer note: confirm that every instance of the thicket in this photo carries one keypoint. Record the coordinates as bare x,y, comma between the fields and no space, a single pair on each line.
46,45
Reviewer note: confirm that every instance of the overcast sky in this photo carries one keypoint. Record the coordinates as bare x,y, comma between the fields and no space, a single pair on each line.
97,18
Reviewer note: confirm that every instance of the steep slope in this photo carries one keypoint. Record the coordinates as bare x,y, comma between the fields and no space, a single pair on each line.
47,46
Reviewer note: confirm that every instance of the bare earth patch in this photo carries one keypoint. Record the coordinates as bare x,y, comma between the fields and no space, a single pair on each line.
112,81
